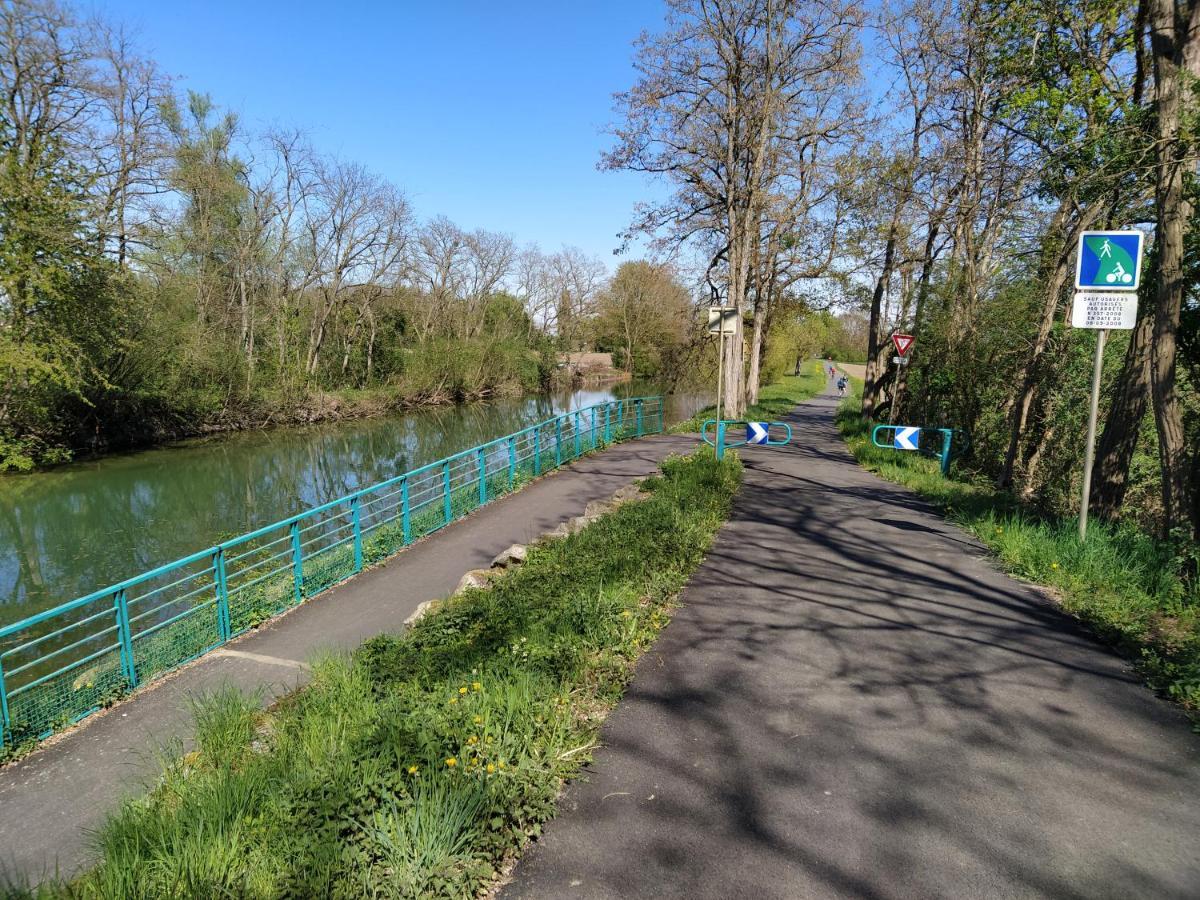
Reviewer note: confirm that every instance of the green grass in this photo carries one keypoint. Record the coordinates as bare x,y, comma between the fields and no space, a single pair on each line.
1122,582
423,763
774,400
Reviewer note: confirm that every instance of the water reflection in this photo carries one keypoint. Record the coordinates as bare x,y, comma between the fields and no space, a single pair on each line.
75,529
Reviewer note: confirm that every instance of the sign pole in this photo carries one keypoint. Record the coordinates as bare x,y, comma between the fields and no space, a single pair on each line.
720,366
1090,455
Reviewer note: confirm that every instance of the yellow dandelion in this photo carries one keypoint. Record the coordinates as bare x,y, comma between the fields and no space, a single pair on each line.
476,686
1054,565
501,764
472,741
451,762
412,770
453,699
491,768
626,614
463,689
478,720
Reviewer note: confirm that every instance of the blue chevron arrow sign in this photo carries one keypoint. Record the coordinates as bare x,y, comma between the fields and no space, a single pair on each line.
756,432
906,438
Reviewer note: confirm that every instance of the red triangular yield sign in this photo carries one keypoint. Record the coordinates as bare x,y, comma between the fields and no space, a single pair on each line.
902,342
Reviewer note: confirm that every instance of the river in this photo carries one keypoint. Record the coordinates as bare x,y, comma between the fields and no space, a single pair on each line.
77,528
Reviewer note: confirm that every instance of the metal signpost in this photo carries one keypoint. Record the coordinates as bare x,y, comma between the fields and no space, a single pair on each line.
722,320
1107,275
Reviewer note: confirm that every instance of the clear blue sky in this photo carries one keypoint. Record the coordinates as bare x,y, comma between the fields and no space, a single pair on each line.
490,113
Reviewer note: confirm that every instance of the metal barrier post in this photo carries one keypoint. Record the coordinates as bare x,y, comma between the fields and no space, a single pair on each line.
512,462
357,523
5,722
297,563
447,507
537,450
593,427
638,404
578,448
481,463
224,626
720,440
405,519
661,425
608,423
946,451
621,416
558,441
121,608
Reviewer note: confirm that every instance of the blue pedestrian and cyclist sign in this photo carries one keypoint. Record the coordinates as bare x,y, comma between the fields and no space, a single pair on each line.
1109,260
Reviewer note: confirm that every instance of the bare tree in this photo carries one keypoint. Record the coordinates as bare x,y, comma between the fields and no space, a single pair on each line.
718,91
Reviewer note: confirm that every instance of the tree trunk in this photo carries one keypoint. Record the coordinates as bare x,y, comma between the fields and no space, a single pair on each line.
1057,280
756,349
1168,40
1110,475
873,378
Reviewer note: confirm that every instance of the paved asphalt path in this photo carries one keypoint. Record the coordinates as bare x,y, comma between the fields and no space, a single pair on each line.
51,800
852,702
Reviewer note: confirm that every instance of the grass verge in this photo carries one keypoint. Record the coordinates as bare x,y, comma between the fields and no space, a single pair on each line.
423,763
1122,582
774,400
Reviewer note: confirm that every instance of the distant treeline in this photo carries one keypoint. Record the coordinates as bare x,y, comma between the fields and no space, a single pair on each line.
164,272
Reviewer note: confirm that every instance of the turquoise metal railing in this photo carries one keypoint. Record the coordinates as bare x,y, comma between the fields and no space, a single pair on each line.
61,665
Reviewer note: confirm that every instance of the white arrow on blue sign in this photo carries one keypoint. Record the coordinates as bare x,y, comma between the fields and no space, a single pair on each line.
756,432
906,438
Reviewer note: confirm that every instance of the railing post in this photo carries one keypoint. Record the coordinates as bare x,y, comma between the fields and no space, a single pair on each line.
621,418
481,459
512,461
578,448
356,521
405,520
661,425
220,582
5,721
946,451
720,440
121,609
558,441
537,449
297,563
608,423
638,404
447,506
593,427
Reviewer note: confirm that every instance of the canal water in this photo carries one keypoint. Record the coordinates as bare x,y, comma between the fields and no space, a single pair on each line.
78,528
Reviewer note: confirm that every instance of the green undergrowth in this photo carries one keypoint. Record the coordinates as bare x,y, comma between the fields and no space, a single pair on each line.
774,400
420,765
1122,582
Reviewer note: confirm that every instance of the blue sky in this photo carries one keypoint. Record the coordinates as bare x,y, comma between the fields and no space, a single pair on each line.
488,112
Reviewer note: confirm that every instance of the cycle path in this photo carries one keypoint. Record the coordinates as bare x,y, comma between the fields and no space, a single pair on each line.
853,702
53,799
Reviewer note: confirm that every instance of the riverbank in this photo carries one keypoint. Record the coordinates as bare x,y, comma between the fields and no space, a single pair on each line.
426,760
